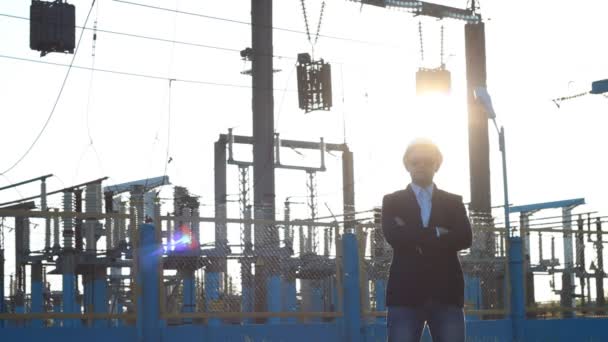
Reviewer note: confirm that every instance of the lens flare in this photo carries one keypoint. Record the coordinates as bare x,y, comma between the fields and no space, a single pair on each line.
182,239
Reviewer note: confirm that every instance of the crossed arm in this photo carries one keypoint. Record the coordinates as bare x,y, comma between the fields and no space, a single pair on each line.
455,237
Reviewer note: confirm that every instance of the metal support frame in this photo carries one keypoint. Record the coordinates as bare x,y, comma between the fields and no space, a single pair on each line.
311,186
71,188
579,266
568,273
599,270
222,158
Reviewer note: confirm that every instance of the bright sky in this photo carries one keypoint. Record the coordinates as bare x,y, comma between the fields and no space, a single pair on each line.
536,51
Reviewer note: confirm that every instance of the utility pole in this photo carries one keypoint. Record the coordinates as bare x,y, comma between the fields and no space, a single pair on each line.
479,154
265,236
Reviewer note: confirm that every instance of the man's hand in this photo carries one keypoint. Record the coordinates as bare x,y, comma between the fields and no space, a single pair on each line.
441,231
399,221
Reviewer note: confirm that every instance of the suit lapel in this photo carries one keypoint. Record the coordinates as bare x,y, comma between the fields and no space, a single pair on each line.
436,202
408,206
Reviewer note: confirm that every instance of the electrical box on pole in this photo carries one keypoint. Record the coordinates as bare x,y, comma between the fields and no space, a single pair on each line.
52,26
314,84
435,80
432,80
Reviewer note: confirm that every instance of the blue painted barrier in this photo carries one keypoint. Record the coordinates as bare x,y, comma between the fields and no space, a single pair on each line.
351,327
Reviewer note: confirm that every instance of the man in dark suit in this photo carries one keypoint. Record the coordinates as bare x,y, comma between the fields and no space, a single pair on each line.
426,227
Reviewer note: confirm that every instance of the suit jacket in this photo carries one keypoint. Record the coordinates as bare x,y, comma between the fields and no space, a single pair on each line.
425,266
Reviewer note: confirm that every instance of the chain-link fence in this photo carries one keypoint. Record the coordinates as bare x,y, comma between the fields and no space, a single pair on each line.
70,267
78,266
563,265
271,271
485,268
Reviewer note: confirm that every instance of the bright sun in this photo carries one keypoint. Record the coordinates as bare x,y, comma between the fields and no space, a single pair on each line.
435,117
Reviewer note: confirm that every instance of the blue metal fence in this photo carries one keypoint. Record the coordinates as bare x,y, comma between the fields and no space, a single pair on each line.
150,327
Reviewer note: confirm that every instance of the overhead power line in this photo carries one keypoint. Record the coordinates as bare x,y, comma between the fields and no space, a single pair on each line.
181,42
132,74
234,21
146,37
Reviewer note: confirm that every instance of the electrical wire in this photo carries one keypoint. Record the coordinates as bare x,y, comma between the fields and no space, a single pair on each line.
56,100
146,37
88,107
61,181
343,107
186,43
169,67
283,95
166,161
165,40
91,75
155,141
145,76
10,182
124,73
249,24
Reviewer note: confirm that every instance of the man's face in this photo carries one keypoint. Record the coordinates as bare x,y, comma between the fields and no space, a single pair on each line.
422,165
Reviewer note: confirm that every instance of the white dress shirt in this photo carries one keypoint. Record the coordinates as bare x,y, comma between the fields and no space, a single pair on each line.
424,198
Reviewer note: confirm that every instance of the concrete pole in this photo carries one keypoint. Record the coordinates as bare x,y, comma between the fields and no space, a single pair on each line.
273,295
263,147
518,304
37,290
22,232
599,271
348,189
2,308
289,297
352,290
100,295
247,284
56,308
479,154
316,294
567,293
189,293
380,294
69,288
221,231
212,287
148,260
